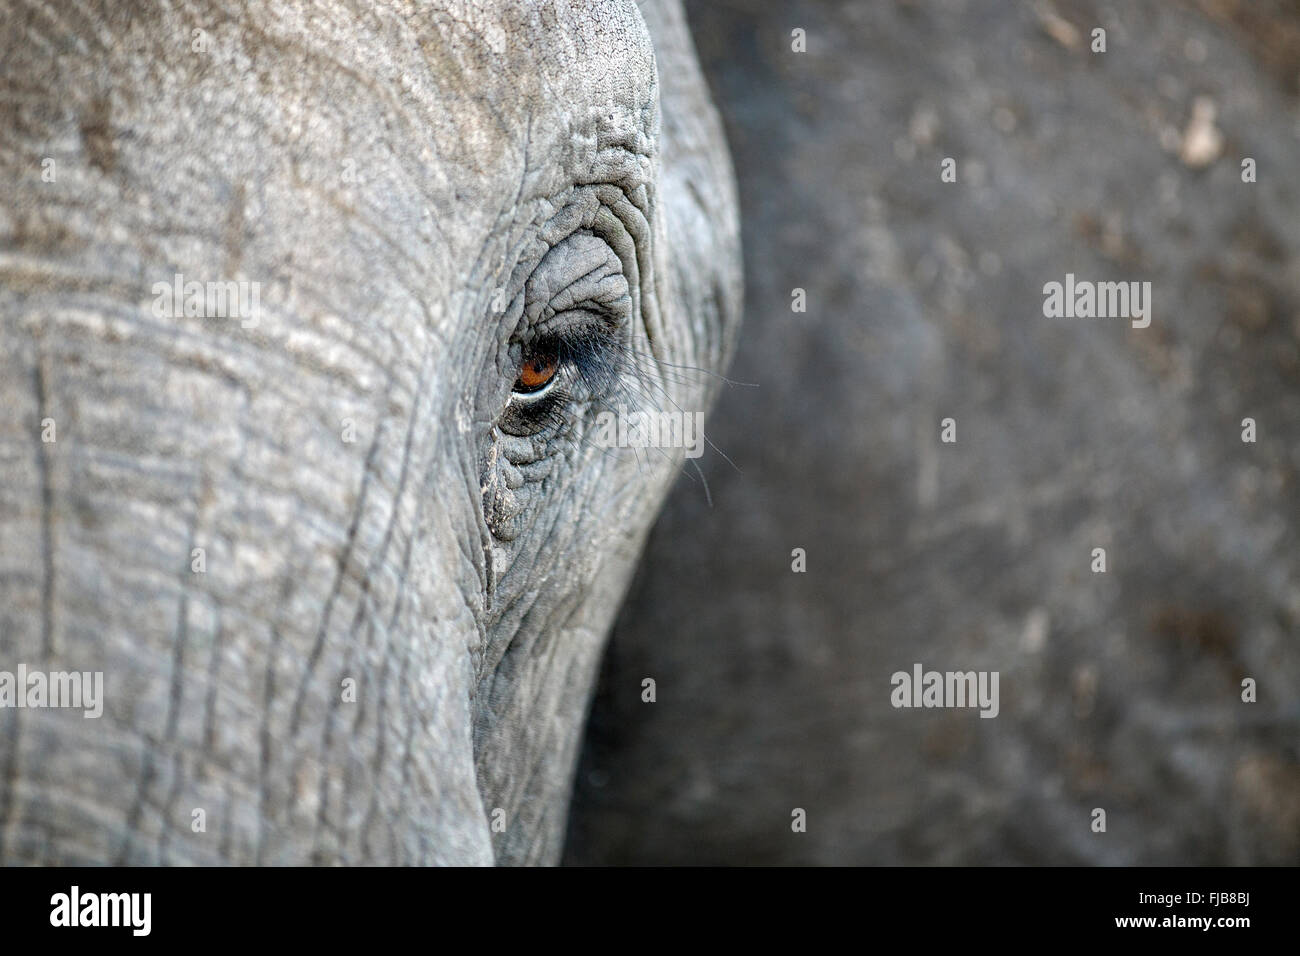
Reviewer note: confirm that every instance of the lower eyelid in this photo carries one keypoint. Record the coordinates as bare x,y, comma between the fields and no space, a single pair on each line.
529,397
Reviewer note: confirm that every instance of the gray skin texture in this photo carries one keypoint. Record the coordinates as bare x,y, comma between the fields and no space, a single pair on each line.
393,176
1119,691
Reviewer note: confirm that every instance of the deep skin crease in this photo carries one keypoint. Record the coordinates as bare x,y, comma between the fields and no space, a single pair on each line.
393,639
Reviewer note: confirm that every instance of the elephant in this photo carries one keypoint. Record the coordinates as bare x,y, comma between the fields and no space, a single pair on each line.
308,313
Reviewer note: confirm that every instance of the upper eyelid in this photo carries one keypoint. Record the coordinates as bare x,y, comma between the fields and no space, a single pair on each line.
606,289
581,267
566,325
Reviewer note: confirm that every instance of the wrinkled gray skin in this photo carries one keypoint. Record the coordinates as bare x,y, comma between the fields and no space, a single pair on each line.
381,171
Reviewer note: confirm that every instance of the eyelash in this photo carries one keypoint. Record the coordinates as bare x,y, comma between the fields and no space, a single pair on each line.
589,362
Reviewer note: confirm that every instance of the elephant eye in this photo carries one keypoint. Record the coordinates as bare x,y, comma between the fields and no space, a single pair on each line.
537,371
574,360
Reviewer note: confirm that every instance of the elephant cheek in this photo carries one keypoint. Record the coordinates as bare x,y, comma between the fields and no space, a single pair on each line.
285,630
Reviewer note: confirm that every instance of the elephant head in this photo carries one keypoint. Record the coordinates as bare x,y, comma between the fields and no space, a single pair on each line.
309,313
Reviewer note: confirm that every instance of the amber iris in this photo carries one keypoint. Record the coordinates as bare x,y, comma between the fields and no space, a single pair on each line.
538,369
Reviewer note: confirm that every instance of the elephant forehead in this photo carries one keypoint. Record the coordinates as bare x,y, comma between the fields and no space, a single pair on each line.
483,103
369,150
549,54
548,85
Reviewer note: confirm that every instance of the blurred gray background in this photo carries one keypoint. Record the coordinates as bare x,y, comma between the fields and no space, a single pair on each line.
924,301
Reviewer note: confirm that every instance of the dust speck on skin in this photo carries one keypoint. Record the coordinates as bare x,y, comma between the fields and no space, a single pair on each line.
1037,625
924,126
500,561
1202,142
306,790
1057,27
